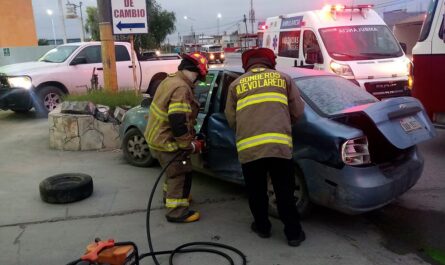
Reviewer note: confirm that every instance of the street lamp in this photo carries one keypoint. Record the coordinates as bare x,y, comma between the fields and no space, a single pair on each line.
192,31
71,9
217,23
50,14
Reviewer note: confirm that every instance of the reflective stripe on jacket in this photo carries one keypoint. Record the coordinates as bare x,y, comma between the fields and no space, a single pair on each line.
174,104
261,105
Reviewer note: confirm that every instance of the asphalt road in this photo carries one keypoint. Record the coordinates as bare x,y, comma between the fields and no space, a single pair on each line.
408,231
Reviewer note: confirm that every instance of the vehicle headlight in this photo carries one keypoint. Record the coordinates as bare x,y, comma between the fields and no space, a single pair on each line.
222,55
20,82
341,69
212,56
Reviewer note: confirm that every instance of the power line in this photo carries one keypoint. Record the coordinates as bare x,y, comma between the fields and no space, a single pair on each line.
214,27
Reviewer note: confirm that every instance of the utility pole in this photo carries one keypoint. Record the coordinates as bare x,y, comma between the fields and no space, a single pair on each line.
81,22
252,16
63,21
245,39
108,50
71,12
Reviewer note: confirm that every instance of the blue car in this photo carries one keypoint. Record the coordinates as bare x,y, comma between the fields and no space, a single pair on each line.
352,152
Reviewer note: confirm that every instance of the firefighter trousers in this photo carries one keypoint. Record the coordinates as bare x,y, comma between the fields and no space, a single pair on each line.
178,182
281,172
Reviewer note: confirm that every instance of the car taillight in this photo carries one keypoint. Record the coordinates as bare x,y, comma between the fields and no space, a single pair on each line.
355,152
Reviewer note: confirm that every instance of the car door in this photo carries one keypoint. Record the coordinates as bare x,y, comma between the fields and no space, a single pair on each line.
82,74
221,157
289,48
203,93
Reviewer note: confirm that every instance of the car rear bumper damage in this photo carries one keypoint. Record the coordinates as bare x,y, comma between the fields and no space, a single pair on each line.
355,190
15,98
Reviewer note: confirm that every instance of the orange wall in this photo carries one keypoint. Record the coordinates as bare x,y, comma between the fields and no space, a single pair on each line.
17,27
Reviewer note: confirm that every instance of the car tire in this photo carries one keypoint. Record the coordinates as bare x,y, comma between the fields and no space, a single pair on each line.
66,188
136,150
221,61
154,87
48,98
303,202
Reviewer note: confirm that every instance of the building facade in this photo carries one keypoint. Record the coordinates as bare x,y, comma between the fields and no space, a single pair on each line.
17,24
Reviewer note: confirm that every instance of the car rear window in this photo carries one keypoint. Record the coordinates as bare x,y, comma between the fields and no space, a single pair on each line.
332,94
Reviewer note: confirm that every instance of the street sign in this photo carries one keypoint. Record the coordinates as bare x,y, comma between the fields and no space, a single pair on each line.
129,17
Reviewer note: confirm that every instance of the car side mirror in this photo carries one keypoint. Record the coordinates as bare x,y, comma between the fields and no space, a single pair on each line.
79,60
145,103
313,56
404,47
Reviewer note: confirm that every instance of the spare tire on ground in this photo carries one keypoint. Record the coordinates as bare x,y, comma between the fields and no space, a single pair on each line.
66,188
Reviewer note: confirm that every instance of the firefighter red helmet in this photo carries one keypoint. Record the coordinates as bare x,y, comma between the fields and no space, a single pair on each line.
200,61
258,56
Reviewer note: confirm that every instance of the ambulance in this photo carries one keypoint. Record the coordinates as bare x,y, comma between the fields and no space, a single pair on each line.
350,41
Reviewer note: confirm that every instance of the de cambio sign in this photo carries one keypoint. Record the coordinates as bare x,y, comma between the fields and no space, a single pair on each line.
129,17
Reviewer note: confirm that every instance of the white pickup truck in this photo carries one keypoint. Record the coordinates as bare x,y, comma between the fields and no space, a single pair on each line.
69,69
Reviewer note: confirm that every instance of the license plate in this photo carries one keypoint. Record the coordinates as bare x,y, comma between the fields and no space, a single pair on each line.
410,124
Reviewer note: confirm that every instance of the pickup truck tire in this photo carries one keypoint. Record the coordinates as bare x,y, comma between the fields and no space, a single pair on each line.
66,188
49,97
301,194
136,150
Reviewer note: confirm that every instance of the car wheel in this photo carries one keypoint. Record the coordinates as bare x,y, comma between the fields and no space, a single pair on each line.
136,150
48,98
301,195
66,188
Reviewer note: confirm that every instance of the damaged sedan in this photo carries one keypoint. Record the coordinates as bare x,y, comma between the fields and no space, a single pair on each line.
352,152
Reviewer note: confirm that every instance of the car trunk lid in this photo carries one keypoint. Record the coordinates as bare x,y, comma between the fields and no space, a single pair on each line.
402,121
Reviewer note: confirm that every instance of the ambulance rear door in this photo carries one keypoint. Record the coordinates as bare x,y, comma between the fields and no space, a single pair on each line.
289,41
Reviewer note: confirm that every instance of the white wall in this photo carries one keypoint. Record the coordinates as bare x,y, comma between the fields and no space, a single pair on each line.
22,54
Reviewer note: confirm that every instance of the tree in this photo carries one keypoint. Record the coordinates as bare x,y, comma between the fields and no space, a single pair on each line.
92,23
161,23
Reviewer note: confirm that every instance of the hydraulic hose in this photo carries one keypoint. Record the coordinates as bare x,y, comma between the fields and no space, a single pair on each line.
202,247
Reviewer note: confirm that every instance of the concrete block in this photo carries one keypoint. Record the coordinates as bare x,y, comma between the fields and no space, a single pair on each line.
72,144
91,140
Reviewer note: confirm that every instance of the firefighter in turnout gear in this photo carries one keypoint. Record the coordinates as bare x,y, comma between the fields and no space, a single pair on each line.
170,132
261,106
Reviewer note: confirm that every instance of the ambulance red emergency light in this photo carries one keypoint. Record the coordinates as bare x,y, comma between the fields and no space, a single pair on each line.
351,41
429,61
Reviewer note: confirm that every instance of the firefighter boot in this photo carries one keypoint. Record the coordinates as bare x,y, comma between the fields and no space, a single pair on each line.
189,217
